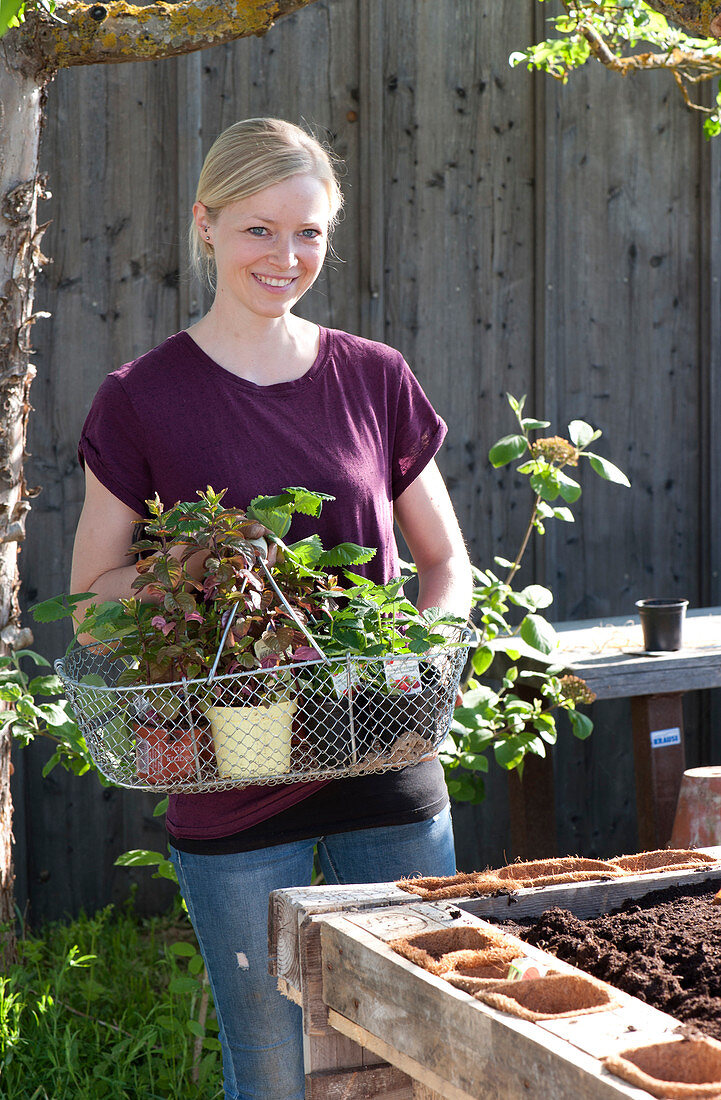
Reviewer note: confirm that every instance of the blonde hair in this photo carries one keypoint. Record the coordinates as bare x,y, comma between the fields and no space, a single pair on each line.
249,156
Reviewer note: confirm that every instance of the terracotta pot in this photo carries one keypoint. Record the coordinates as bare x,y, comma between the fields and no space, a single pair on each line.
168,755
698,814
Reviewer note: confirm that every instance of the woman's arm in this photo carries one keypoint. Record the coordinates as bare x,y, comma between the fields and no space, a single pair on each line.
426,518
102,541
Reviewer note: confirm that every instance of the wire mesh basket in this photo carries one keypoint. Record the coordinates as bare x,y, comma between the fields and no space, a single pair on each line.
315,719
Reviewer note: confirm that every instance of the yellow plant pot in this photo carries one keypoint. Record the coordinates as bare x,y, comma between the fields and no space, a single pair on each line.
252,741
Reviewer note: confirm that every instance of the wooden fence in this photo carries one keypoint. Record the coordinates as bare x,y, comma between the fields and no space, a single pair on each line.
508,235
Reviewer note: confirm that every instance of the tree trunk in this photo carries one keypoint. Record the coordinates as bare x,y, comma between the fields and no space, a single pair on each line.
21,103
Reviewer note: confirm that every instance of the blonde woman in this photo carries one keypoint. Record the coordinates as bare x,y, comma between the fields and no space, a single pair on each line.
254,398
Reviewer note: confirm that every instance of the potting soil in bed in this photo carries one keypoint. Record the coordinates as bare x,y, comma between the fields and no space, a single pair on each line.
664,949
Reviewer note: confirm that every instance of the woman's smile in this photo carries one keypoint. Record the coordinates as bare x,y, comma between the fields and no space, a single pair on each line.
273,282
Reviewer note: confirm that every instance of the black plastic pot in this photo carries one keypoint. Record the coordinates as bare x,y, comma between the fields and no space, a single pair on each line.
323,726
662,623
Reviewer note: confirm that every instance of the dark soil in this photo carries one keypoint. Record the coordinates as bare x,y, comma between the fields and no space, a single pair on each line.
664,949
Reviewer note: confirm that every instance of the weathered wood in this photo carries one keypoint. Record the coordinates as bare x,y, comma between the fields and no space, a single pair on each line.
289,910
461,1048
608,654
660,761
532,804
294,914
423,1079
585,899
361,1083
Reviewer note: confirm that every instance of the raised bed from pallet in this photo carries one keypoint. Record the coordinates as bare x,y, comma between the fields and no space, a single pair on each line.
329,953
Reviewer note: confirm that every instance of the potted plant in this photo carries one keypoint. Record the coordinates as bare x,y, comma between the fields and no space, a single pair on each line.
219,636
386,668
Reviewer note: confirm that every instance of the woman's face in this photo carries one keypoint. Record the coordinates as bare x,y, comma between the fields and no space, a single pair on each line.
269,248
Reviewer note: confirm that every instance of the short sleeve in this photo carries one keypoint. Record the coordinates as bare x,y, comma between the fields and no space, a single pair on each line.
112,445
419,432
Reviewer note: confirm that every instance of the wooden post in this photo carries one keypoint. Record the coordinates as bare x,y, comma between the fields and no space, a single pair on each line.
533,809
660,760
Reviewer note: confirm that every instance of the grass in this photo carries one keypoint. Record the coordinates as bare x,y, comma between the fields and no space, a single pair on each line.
110,1006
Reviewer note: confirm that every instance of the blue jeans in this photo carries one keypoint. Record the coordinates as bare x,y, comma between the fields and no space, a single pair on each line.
227,899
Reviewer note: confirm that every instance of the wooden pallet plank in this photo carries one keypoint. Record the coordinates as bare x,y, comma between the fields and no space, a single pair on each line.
359,1083
460,1047
585,899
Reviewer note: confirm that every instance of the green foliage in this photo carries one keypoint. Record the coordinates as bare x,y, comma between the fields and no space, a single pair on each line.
626,36
203,563
109,1006
35,708
377,619
507,708
12,12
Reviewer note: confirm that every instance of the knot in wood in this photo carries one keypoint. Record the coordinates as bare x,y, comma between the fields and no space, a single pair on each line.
98,13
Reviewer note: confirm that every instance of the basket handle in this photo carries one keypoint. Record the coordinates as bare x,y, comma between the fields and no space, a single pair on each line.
301,626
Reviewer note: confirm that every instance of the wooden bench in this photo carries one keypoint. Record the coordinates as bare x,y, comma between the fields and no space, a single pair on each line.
608,654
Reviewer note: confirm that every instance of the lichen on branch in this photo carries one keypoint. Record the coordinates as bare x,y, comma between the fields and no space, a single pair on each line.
88,34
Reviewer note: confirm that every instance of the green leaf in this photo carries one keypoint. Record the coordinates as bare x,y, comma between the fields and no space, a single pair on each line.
59,607
536,595
538,634
169,1023
183,984
10,11
607,470
186,950
46,685
139,857
161,808
581,724
508,753
196,1029
569,489
35,657
474,762
564,514
167,870
507,450
581,433
307,501
196,965
307,551
531,425
481,659
346,553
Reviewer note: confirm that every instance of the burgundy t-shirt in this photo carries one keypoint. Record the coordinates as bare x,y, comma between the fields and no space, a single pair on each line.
356,425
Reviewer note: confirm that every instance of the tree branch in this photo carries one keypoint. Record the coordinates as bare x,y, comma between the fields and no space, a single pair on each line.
694,66
119,31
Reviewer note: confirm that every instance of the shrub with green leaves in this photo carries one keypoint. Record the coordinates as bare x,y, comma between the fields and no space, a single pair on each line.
513,714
